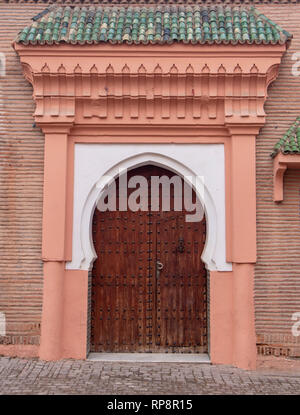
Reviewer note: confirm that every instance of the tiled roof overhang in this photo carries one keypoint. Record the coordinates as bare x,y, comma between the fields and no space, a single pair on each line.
290,142
286,155
164,24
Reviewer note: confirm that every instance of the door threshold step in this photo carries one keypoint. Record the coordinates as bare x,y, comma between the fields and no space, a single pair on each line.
150,357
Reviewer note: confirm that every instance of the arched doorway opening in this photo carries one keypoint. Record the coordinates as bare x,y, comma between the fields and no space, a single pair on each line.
149,285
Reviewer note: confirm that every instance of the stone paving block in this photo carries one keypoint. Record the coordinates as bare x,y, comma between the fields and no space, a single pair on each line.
69,377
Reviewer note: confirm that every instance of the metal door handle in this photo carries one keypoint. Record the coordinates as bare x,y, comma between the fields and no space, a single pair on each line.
159,267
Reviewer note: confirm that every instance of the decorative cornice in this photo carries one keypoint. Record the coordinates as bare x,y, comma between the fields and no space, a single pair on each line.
187,85
27,71
272,74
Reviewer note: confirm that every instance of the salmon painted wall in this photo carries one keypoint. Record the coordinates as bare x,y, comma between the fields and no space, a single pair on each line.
277,272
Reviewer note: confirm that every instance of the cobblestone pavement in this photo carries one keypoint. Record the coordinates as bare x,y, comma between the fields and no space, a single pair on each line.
32,376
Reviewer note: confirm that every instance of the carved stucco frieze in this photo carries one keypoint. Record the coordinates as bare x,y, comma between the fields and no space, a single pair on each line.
150,88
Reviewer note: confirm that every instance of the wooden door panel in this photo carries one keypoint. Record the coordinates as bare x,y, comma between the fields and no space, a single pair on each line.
120,282
132,310
181,287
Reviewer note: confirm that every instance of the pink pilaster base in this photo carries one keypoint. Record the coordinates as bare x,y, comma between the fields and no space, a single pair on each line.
221,317
232,325
65,313
53,307
75,326
244,347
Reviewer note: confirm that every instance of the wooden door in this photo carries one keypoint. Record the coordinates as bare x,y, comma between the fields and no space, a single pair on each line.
135,306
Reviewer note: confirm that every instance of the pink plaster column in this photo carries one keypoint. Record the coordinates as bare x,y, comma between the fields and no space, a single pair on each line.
243,243
55,192
244,339
54,239
243,194
221,317
52,317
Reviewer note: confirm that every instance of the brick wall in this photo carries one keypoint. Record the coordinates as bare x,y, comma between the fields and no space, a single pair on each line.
21,186
277,277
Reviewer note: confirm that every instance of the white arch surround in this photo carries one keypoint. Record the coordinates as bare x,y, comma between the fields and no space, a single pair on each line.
96,164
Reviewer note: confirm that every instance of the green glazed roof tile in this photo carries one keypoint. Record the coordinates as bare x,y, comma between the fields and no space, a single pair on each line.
155,24
290,142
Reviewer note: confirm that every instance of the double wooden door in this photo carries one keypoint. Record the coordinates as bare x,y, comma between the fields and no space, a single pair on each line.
148,281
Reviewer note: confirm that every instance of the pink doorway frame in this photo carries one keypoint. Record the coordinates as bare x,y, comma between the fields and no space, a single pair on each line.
162,94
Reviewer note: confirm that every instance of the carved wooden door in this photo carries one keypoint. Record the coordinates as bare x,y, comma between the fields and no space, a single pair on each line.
148,281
